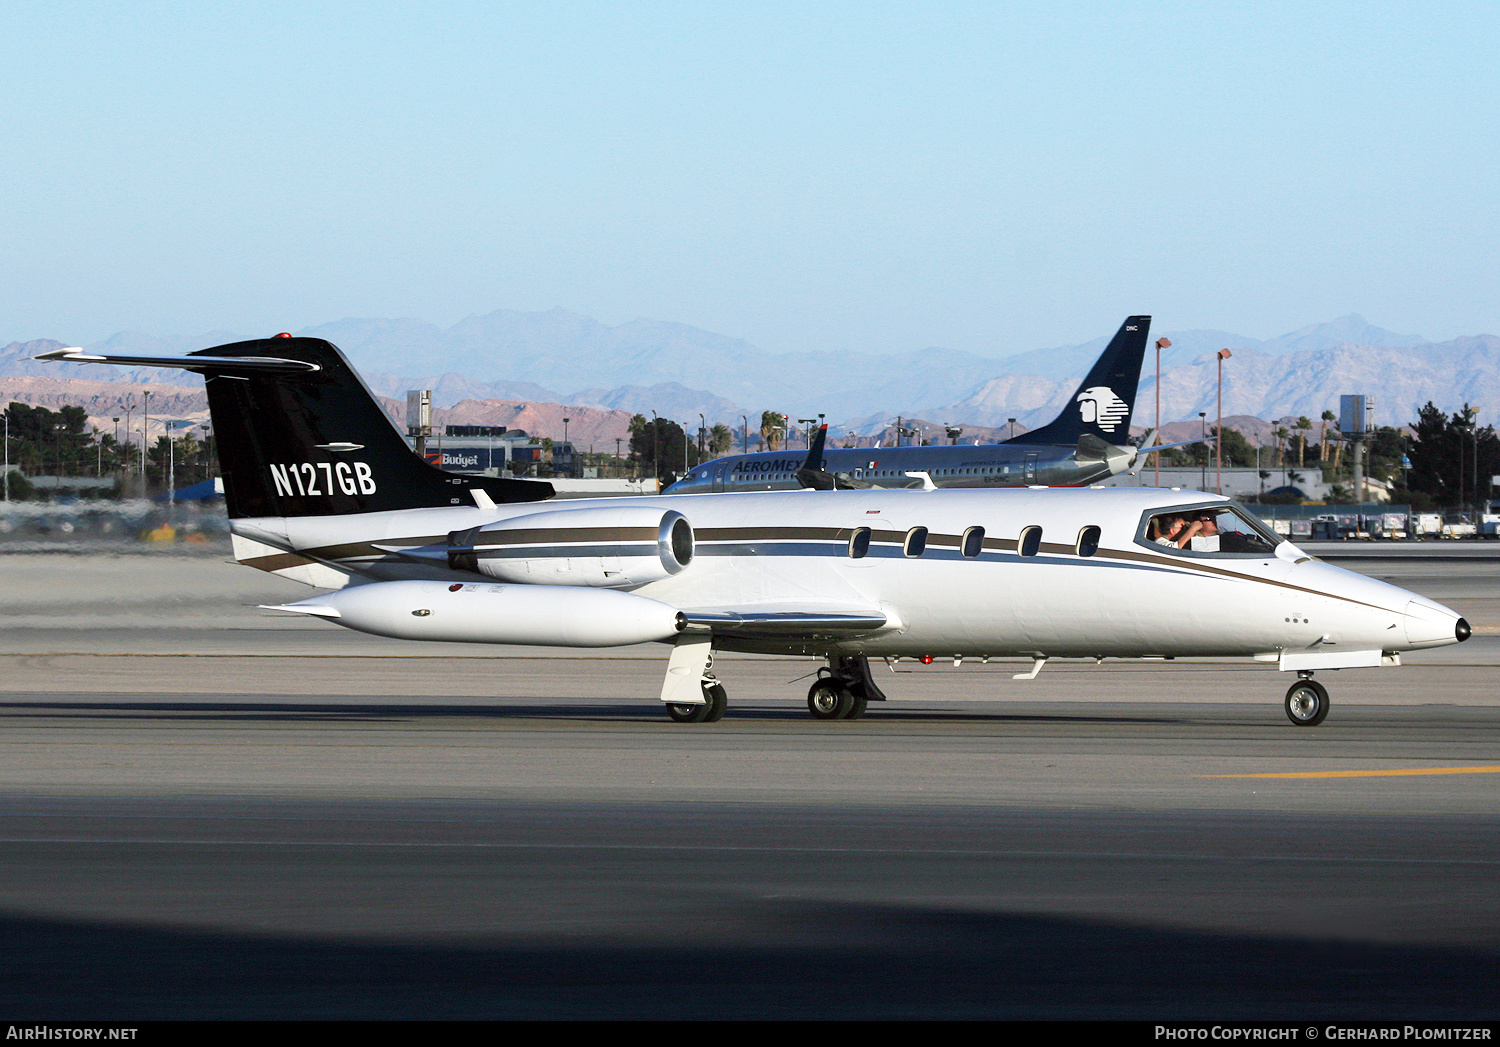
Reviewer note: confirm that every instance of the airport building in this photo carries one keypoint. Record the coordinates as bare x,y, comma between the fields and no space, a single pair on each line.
494,450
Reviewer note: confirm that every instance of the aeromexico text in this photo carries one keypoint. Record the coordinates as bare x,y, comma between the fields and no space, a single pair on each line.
770,465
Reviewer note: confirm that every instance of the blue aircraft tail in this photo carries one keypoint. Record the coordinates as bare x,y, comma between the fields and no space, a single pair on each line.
1102,405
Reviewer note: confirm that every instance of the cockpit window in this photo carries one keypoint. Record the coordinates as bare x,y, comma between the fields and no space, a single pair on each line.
1208,530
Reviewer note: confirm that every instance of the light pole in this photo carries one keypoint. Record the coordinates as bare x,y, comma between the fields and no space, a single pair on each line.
1223,354
745,445
1479,505
205,457
1203,439
145,428
1010,426
129,406
702,431
655,449
1161,343
809,422
6,412
172,461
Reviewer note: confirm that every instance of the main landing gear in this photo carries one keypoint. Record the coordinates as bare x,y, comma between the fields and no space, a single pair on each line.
1306,701
843,688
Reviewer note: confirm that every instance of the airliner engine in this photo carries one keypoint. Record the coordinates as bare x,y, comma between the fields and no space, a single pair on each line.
489,613
609,548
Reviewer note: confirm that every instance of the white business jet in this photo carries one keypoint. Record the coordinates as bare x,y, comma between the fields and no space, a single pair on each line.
321,487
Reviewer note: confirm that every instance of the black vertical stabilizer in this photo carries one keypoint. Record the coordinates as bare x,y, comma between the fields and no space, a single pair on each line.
1103,404
812,474
315,441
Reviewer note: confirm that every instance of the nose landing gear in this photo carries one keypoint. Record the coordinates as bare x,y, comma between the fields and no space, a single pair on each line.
1306,702
715,701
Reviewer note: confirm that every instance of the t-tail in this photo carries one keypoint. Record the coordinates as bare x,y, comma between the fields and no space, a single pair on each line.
300,434
1102,405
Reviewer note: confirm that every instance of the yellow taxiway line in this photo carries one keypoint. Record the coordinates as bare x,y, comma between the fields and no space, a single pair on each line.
1364,774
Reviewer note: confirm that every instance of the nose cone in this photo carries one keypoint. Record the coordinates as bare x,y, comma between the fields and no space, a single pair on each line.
1430,624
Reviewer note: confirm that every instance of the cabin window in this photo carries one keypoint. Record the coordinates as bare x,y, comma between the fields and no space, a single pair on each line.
973,543
1222,530
1031,541
859,543
1088,541
916,541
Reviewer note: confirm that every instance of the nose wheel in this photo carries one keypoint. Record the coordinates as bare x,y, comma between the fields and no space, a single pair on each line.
715,701
1306,703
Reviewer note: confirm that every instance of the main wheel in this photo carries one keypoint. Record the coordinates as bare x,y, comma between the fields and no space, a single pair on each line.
690,713
1306,703
857,705
829,700
717,700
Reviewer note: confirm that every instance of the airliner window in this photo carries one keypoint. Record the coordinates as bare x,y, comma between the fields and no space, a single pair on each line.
1208,530
1031,541
973,541
916,541
859,543
1088,541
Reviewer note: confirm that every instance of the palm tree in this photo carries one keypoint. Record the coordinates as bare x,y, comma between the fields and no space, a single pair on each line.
1328,416
1303,427
1282,436
772,428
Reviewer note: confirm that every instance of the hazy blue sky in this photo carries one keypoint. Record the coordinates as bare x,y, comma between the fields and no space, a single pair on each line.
991,177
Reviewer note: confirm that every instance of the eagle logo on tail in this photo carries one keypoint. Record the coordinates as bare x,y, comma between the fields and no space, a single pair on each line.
1098,405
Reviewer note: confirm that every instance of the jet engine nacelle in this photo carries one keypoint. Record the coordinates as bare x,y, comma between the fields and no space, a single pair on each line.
484,612
608,548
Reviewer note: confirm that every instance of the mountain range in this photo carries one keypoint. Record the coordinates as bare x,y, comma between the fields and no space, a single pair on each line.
680,371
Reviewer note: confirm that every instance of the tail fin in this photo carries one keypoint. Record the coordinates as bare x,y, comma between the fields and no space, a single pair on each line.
300,434
812,474
1102,405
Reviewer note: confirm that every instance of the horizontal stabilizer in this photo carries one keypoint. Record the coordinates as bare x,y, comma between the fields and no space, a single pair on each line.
201,364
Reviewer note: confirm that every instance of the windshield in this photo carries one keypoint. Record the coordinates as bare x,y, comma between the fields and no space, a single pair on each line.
1210,529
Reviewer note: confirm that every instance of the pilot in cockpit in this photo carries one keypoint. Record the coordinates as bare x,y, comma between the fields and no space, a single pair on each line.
1197,530
1210,530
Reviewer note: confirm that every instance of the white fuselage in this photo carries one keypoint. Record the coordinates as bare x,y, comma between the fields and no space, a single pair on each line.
785,552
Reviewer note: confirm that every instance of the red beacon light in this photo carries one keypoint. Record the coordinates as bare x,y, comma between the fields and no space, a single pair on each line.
926,659
284,334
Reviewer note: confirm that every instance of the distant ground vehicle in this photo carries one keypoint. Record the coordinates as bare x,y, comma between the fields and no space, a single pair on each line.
1458,525
1489,525
1427,525
1335,526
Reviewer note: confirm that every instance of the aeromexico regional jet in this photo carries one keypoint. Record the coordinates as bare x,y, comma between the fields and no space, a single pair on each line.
1085,443
322,488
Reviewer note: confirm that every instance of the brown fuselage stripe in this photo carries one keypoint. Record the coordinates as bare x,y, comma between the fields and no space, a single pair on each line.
282,561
